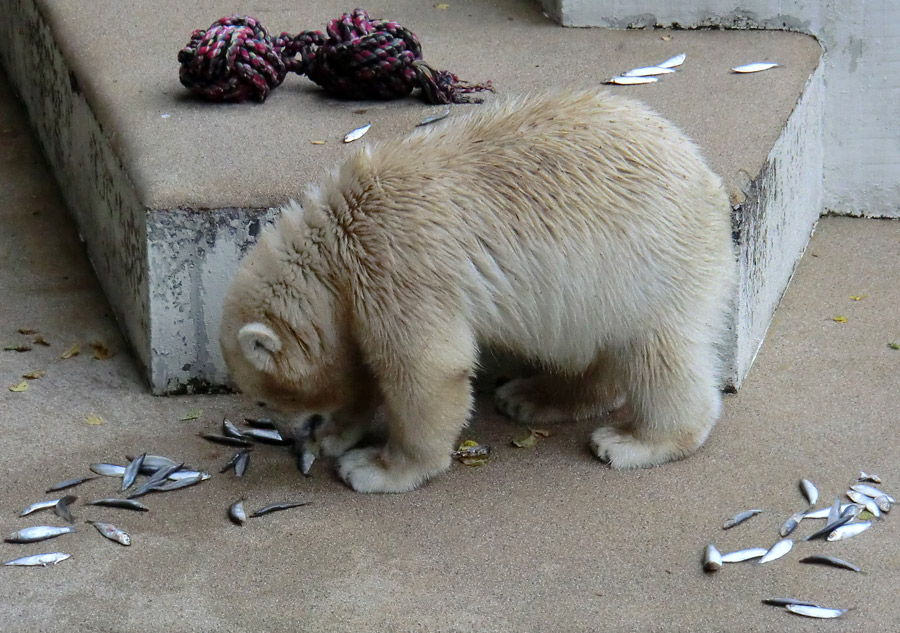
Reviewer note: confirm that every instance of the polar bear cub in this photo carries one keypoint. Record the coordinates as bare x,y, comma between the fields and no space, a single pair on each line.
578,230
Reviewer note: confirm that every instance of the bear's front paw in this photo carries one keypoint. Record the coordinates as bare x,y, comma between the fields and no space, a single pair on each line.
621,449
523,400
373,470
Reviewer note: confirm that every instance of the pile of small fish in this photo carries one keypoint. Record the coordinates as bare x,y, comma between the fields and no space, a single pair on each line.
842,521
162,475
651,74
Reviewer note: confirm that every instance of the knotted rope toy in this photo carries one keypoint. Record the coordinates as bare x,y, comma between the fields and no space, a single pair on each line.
236,59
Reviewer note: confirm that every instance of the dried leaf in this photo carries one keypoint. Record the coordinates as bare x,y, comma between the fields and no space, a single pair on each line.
22,386
529,441
94,420
865,515
666,38
72,351
317,142
471,453
894,345
839,319
34,375
192,415
101,351
21,347
27,331
858,297
541,432
442,6
40,340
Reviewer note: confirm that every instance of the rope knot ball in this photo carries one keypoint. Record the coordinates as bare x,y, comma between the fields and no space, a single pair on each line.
357,58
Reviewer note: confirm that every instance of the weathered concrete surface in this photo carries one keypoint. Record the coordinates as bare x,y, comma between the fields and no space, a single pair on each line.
167,191
538,540
862,86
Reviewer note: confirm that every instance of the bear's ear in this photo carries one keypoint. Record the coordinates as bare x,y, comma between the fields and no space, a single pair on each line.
259,344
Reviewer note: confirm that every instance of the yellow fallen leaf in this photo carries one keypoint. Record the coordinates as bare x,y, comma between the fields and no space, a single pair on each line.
101,351
27,331
34,375
839,319
529,441
894,345
72,351
40,340
317,142
442,6
94,420
666,38
858,297
192,415
21,347
541,432
22,386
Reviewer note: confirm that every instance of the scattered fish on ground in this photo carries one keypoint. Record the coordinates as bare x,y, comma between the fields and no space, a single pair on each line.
672,62
815,612
829,560
237,513
647,71
740,518
865,477
267,436
871,491
754,67
867,502
276,507
712,559
68,483
242,463
434,119
178,475
152,463
224,439
830,527
108,470
62,508
229,429
744,554
260,423
125,504
178,484
834,513
883,502
39,560
809,491
111,532
791,524
40,505
783,602
631,81
778,550
358,133
155,481
131,471
824,512
37,533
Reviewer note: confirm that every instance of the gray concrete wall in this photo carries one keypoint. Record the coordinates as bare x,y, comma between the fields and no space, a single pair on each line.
862,83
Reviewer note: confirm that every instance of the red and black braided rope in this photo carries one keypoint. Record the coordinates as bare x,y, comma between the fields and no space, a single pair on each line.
357,58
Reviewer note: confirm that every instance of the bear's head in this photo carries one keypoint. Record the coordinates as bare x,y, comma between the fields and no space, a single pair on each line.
286,333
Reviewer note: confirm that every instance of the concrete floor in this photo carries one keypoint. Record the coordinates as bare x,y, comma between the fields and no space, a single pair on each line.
542,539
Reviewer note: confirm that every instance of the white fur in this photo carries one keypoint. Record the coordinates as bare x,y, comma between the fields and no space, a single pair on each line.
259,344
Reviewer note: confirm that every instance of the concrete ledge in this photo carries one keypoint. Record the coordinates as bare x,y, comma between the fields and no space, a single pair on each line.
168,191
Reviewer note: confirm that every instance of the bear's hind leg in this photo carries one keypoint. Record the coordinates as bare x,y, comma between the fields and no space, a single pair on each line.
673,401
560,397
427,400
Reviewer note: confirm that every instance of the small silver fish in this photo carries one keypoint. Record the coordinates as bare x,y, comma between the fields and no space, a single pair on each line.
178,475
647,71
111,532
229,429
40,505
131,471
778,550
242,463
61,509
108,470
434,119
815,612
178,484
672,62
829,560
358,133
125,504
883,502
37,533
868,502
41,560
830,526
152,463
275,507
824,512
68,483
754,68
270,436
224,439
809,491
871,491
791,524
236,512
712,559
305,462
834,512
260,423
849,530
631,81
864,476
783,602
154,481
744,554
740,518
